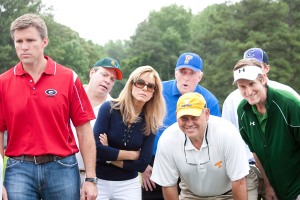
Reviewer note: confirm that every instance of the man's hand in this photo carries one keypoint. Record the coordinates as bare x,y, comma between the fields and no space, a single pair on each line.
270,194
4,194
88,191
148,184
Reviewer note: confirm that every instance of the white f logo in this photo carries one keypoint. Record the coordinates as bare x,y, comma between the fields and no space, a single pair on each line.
252,123
187,59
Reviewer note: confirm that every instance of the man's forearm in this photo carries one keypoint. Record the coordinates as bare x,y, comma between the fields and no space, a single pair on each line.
2,144
261,169
170,193
239,189
87,148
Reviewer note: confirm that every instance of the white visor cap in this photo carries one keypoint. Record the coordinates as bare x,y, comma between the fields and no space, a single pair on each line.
247,72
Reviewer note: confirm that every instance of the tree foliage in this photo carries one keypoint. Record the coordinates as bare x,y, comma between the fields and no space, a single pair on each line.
159,39
223,32
219,34
9,10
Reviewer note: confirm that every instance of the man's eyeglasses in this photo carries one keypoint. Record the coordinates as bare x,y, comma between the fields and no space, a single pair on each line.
191,162
140,83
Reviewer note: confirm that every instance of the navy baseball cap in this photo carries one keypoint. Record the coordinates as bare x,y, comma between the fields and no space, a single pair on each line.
110,63
258,54
191,61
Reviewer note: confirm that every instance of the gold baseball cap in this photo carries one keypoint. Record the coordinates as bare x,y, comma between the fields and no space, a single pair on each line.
191,103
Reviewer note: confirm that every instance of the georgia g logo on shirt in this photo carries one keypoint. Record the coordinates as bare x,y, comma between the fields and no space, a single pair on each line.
51,92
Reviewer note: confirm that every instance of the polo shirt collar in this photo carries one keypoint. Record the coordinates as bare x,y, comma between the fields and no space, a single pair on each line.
190,146
50,68
270,97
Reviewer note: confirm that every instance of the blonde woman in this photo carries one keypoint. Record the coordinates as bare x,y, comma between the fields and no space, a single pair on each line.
126,128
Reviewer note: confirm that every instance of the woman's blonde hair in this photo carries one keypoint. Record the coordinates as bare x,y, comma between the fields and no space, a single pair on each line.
154,109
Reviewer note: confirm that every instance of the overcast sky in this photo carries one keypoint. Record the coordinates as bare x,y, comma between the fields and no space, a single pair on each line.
104,20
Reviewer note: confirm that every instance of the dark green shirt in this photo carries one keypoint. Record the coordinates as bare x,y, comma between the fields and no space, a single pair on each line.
278,146
262,119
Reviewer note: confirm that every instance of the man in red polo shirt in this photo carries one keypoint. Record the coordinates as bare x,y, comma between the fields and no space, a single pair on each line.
38,98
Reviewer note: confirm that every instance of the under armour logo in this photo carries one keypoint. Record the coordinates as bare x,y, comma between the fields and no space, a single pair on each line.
252,123
241,70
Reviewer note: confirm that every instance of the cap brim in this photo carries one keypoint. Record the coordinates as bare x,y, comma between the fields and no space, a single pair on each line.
119,74
248,73
189,67
250,78
192,111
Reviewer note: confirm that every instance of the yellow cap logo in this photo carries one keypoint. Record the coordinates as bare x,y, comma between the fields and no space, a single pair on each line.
113,63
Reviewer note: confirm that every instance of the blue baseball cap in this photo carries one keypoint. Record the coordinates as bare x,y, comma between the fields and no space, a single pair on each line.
258,54
191,61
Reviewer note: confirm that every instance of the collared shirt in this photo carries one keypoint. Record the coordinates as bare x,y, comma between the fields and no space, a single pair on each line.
213,173
233,100
171,96
278,148
37,115
262,119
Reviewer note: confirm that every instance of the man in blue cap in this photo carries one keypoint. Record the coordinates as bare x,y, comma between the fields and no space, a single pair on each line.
188,74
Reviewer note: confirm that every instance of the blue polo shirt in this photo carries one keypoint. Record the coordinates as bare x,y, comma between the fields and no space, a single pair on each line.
172,94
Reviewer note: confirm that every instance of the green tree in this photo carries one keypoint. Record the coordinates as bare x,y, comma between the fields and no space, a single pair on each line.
286,62
118,51
221,34
160,39
213,37
9,10
65,45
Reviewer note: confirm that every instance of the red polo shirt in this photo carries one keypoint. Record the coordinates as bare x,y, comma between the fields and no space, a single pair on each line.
37,115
